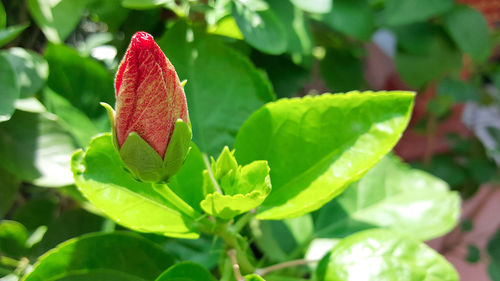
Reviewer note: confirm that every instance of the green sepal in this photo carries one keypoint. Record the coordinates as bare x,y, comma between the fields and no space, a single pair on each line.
244,187
146,164
177,149
111,116
141,159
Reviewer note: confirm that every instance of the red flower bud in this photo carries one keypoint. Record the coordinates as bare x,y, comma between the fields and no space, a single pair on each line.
149,95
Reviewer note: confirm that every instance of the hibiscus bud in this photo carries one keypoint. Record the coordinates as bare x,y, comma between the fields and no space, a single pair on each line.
151,128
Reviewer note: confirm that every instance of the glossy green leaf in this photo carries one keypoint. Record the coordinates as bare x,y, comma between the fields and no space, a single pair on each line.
384,255
102,178
35,148
319,145
401,12
144,4
13,237
217,105
122,252
470,31
82,81
31,70
57,19
352,17
314,6
425,54
392,195
9,186
341,70
10,33
298,33
71,118
186,271
10,88
261,28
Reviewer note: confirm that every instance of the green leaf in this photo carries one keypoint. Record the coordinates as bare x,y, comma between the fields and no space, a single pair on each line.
351,17
319,145
144,4
470,31
72,119
279,239
110,12
341,70
494,270
401,12
67,225
3,16
31,70
425,54
494,246
13,237
100,274
457,90
57,19
11,32
9,186
82,81
261,28
10,88
102,178
36,212
314,6
204,251
395,196
35,148
287,77
383,255
118,252
298,34
244,188
186,271
217,106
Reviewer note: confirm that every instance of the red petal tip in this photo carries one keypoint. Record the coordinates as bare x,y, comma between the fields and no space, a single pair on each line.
142,39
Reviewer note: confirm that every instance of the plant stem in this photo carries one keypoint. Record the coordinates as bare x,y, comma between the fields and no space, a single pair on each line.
236,268
231,239
211,175
269,269
9,261
238,226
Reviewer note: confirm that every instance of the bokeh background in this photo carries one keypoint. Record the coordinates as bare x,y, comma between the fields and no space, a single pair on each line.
58,58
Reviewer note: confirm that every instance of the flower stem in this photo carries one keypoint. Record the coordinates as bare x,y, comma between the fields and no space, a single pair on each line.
236,268
235,242
269,269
